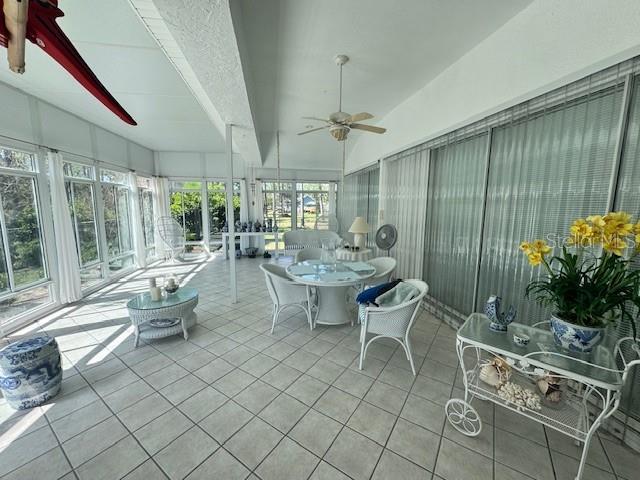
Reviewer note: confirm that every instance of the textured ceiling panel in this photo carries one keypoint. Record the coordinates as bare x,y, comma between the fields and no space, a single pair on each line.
204,32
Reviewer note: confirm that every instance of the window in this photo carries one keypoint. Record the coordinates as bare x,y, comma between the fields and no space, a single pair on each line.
17,160
117,221
82,204
278,203
145,200
23,268
216,193
186,208
312,204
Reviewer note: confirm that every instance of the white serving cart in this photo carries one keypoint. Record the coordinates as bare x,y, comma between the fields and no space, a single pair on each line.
592,383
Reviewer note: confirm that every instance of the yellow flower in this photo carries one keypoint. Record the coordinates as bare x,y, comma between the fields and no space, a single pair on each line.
618,224
540,246
535,259
525,247
581,232
637,239
614,245
596,221
636,228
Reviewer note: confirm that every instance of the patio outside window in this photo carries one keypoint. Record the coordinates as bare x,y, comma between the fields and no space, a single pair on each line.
312,205
217,206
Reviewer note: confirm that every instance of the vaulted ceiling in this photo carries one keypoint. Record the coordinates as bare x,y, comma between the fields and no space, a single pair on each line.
184,68
395,48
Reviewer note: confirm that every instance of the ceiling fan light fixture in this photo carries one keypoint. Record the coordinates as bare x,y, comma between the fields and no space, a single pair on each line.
339,132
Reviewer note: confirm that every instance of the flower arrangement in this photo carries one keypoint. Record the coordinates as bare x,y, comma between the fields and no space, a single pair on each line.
595,284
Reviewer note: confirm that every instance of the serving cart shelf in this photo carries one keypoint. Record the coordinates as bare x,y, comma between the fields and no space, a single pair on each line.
591,384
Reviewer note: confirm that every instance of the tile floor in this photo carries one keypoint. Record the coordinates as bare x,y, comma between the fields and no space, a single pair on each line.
237,402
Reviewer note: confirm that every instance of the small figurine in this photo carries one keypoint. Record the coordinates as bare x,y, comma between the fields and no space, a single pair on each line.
256,226
275,227
244,227
499,320
266,254
225,227
270,225
250,227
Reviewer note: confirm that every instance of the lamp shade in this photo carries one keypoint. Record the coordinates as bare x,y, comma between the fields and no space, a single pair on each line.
359,225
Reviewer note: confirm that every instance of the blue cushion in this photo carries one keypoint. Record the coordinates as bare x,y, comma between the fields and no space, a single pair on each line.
370,294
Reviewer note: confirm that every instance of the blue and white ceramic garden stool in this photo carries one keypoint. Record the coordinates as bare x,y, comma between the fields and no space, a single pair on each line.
30,372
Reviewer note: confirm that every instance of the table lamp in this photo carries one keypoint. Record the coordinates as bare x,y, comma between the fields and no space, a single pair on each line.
359,228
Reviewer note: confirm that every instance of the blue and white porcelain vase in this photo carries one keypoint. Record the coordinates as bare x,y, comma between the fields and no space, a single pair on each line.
499,321
575,338
30,372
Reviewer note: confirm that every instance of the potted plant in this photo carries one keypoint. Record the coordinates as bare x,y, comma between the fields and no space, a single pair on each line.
592,283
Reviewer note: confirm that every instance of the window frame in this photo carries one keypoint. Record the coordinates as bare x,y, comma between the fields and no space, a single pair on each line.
47,279
131,253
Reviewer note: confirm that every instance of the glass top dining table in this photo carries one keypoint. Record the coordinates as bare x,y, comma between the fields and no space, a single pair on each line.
333,280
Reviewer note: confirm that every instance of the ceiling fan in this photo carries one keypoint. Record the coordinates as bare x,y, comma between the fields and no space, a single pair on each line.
340,123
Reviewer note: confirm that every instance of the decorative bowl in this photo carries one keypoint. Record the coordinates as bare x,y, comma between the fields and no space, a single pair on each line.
521,339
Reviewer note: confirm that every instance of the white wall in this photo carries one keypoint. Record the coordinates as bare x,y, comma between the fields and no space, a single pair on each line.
28,119
197,165
214,165
548,44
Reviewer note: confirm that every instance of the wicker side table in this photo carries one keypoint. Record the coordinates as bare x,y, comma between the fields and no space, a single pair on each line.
174,310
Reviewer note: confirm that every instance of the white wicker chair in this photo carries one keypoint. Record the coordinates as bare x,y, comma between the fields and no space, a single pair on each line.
385,266
172,235
392,322
309,254
286,293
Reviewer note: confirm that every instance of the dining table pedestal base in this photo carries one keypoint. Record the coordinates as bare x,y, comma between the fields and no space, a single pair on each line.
332,306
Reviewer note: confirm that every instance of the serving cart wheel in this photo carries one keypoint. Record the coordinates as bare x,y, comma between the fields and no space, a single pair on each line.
463,417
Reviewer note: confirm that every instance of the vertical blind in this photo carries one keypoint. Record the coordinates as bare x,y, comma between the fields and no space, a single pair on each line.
545,170
454,213
359,199
628,199
403,203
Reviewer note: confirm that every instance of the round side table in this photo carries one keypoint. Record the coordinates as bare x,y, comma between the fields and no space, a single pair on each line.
172,315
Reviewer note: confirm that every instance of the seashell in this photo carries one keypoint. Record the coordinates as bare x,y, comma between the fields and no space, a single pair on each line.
496,372
490,376
543,386
551,388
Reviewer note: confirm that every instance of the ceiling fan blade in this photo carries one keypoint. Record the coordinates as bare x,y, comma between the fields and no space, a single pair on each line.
315,118
368,128
358,117
313,130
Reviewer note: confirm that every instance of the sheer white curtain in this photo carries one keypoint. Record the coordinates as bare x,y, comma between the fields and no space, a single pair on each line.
69,286
258,211
161,209
244,212
136,220
403,200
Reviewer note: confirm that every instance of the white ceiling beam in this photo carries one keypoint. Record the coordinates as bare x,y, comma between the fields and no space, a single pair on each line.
199,38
